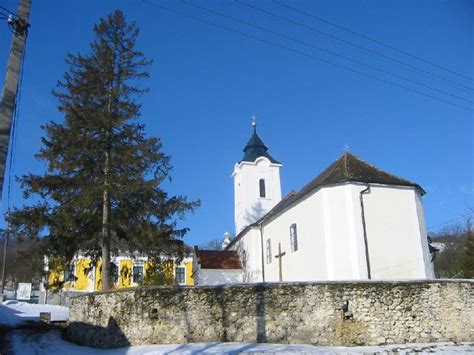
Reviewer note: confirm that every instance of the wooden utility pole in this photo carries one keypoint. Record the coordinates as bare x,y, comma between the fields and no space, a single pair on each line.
4,263
19,26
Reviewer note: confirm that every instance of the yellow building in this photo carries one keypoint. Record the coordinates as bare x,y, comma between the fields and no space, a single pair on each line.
125,271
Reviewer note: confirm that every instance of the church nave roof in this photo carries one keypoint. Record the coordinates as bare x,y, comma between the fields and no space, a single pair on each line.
349,168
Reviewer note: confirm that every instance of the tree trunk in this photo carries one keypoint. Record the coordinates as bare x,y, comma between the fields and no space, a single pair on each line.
105,240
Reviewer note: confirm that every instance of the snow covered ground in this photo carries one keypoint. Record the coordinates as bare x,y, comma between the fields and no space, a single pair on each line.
26,342
39,342
14,313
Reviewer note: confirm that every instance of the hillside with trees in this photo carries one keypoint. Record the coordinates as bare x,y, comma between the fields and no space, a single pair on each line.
455,255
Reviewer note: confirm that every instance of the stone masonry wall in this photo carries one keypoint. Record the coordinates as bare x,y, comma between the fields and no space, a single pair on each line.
339,313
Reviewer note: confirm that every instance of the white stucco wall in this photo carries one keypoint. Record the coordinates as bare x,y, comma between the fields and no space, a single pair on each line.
343,232
249,206
427,257
396,234
218,276
250,253
331,242
330,237
308,262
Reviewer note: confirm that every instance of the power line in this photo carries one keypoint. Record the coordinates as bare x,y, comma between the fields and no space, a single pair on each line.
451,220
304,54
362,48
9,11
318,18
4,14
322,49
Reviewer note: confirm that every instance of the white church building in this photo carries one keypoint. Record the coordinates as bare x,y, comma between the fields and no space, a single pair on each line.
351,222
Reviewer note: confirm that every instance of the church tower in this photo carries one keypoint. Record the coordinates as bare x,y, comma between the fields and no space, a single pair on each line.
256,182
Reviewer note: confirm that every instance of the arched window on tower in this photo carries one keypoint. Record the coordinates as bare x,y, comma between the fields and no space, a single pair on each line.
262,187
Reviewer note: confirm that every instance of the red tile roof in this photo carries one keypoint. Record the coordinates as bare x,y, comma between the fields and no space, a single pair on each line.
218,259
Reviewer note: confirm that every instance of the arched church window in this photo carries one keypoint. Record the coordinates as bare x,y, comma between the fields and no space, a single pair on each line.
262,187
293,237
269,251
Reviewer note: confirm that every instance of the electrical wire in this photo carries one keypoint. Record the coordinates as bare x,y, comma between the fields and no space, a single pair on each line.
304,54
9,11
323,50
349,43
318,18
451,220
4,14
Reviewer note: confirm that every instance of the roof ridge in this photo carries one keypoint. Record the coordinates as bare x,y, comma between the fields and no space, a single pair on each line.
332,171
346,154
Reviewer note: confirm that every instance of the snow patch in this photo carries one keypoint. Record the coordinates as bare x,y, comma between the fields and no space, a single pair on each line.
14,313
27,342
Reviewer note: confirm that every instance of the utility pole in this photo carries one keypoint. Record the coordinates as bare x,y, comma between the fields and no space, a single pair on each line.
4,263
19,26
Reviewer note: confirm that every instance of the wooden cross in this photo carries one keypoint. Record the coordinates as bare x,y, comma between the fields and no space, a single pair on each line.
279,256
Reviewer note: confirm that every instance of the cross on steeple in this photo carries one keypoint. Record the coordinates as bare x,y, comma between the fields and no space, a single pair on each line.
254,123
279,256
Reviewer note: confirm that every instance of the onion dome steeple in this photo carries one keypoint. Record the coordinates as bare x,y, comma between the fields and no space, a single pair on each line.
255,148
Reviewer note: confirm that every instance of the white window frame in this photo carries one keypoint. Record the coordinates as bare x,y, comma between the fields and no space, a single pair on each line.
175,274
268,248
116,279
293,238
72,271
133,272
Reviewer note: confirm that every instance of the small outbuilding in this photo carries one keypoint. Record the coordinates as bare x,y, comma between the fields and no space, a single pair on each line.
215,267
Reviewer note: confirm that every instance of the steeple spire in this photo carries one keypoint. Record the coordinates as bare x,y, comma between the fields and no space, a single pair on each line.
255,147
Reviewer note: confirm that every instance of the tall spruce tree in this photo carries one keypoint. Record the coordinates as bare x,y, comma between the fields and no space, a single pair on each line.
101,192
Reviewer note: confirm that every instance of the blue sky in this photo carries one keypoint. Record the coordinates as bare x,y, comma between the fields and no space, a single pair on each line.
207,82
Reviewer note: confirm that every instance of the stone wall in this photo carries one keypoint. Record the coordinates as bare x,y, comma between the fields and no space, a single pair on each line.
338,313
